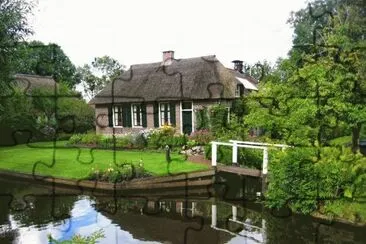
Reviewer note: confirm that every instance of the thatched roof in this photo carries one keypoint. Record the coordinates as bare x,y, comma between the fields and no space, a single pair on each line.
31,82
183,79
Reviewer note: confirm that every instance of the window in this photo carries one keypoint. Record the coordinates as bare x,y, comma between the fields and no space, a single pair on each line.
165,118
117,116
137,115
237,91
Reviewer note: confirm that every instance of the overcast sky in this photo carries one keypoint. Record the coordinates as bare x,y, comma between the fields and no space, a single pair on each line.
137,31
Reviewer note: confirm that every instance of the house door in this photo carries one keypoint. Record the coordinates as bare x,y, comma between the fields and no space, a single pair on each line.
187,118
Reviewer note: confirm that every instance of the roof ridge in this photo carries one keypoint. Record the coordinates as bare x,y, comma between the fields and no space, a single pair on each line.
176,59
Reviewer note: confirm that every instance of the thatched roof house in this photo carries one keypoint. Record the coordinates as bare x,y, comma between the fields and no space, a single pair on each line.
150,95
28,82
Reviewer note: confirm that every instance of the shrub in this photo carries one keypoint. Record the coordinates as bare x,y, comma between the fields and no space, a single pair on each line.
139,141
202,118
218,118
192,143
119,173
167,130
75,139
202,137
125,141
90,139
159,138
307,178
250,158
106,142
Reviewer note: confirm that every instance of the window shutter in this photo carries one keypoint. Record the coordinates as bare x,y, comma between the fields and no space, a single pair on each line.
172,114
110,115
144,119
156,115
126,115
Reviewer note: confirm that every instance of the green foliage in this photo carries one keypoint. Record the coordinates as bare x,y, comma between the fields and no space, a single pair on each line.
202,119
293,181
90,139
316,94
353,211
78,239
341,141
46,114
14,28
159,138
201,137
250,158
218,118
38,58
75,139
118,173
306,178
96,76
17,113
192,143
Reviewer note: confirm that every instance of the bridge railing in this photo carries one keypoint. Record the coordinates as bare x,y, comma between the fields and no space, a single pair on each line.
244,144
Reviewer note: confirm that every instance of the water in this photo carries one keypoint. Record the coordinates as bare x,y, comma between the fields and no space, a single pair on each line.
32,215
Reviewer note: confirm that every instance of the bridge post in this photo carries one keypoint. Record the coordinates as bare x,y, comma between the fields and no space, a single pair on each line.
214,215
214,154
264,170
265,161
235,154
235,212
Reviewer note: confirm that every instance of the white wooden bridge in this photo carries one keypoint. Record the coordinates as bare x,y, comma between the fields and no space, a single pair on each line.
244,144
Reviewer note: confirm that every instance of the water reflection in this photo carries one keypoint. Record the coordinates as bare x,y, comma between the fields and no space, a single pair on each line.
84,220
250,233
33,214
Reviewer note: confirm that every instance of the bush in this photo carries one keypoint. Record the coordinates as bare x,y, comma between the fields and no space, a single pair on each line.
251,158
90,139
156,139
218,118
106,142
119,173
202,137
159,138
125,141
139,141
75,139
305,179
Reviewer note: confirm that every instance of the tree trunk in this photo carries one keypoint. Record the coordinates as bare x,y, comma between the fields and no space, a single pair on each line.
356,137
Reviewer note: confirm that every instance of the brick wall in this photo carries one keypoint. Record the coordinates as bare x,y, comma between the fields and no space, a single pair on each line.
102,123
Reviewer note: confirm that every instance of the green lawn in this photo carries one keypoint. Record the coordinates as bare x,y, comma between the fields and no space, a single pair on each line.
77,163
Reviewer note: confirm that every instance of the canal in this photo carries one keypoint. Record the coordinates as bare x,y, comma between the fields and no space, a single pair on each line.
29,213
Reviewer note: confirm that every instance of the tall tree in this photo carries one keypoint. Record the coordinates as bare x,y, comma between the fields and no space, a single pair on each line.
96,76
37,58
13,28
319,92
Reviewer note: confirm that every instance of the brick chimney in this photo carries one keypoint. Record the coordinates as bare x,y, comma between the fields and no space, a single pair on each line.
168,56
238,65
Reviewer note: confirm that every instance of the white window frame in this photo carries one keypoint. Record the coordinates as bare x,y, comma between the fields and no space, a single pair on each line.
160,114
133,106
114,118
181,115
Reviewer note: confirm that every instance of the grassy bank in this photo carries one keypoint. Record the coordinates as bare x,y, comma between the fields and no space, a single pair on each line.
76,163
